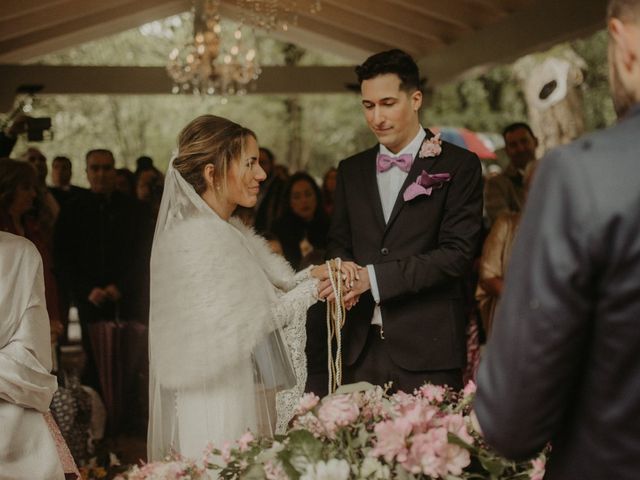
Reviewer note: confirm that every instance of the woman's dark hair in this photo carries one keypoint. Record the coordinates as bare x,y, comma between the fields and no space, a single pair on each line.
291,229
15,173
392,61
302,177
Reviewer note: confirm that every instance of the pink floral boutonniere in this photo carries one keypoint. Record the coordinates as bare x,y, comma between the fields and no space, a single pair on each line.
431,147
425,183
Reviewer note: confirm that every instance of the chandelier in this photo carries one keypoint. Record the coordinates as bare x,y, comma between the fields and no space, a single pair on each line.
205,66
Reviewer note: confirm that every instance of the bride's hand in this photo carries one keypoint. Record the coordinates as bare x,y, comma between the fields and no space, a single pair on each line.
320,272
324,289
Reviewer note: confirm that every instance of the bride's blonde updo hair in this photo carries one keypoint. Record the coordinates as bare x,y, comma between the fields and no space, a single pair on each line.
209,140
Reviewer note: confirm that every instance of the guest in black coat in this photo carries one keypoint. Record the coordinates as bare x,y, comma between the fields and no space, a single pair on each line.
97,249
302,229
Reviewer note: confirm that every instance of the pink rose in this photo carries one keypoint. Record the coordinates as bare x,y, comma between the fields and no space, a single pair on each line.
307,402
469,389
431,147
338,411
391,439
538,464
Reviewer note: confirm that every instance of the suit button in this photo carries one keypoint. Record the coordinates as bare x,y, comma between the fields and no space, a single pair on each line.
384,251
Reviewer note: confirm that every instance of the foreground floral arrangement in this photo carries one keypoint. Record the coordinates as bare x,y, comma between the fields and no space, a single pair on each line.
362,433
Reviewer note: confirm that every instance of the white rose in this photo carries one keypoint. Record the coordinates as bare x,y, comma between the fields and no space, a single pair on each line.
332,470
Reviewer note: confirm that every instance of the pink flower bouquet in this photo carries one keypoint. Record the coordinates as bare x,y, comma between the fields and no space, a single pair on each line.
361,432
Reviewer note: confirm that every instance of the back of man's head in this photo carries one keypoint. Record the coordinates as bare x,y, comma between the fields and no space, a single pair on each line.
625,10
392,61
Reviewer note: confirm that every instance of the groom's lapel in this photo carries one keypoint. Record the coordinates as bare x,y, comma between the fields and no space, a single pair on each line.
371,184
418,165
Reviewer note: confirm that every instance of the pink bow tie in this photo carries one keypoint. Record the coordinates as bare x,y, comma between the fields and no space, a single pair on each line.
385,162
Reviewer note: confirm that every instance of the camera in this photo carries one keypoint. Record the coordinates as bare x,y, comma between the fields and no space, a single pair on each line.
35,128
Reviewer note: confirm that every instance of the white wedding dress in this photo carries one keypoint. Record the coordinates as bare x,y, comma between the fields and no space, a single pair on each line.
227,329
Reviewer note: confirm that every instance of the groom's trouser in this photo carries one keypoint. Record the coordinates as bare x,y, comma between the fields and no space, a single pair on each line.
374,365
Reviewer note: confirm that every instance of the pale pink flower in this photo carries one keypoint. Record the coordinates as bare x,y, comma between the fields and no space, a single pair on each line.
244,441
338,411
456,424
427,453
391,439
225,452
307,402
419,415
433,393
310,422
274,470
469,389
538,464
431,147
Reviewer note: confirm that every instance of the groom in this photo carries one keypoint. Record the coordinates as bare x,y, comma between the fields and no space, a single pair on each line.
410,210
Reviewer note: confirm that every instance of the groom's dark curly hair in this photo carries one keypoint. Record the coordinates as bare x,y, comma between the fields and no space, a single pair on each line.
392,61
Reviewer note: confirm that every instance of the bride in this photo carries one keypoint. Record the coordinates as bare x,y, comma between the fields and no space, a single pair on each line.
227,319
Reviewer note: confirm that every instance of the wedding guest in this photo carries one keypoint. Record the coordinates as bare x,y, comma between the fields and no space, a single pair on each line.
97,249
125,182
328,189
18,187
495,257
62,189
218,354
45,207
505,191
27,448
562,364
302,228
269,206
409,210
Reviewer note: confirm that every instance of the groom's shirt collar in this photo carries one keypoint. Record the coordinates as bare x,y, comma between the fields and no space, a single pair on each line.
412,148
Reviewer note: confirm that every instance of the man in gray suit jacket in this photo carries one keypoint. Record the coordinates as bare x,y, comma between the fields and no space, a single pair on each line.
563,364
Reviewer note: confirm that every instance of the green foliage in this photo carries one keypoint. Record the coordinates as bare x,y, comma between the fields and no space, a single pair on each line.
598,107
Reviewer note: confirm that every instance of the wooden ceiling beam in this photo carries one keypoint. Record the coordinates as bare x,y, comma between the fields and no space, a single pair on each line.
25,7
371,29
544,24
82,80
401,19
462,14
55,15
90,27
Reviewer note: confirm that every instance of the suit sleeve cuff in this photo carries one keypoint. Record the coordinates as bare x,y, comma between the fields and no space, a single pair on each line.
374,283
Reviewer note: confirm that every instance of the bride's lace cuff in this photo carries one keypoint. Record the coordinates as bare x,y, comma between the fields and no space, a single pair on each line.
303,275
296,301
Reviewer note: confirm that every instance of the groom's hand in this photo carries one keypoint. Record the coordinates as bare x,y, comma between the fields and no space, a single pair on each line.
361,285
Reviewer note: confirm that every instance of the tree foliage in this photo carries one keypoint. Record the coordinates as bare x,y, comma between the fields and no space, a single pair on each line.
331,127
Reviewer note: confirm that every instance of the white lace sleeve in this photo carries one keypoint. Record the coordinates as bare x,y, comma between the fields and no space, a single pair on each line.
291,312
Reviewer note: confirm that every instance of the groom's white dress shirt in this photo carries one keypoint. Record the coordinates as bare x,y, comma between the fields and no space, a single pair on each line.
389,185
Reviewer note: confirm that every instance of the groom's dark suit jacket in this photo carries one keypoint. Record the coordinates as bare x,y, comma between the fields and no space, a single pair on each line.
563,360
420,256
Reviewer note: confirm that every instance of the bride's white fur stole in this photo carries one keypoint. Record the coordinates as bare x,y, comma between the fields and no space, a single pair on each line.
212,291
